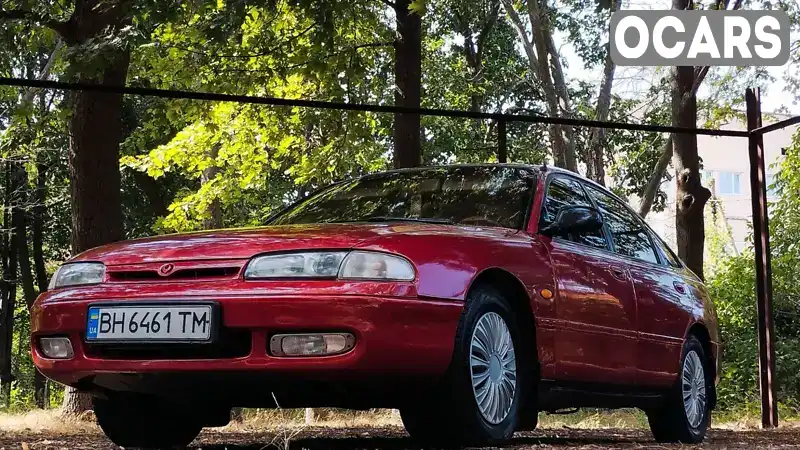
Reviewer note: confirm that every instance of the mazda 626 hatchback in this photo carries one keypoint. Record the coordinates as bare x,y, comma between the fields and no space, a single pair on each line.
468,297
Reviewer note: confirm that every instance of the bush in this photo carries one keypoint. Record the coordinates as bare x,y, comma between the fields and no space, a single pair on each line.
732,286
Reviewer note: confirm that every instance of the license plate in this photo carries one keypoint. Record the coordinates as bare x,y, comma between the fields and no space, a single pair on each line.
156,323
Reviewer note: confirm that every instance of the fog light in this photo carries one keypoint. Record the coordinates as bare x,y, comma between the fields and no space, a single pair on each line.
318,344
56,347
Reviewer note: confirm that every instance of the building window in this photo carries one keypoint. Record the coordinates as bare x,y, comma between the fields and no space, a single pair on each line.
729,183
771,192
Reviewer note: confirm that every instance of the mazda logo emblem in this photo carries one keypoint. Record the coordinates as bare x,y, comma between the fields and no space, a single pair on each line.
166,269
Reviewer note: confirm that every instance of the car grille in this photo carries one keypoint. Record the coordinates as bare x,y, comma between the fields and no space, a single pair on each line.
179,271
230,343
182,274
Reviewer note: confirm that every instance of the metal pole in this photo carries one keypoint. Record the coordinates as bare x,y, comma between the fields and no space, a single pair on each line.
758,194
502,142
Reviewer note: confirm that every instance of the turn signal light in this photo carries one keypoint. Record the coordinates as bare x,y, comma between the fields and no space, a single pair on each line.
316,344
56,347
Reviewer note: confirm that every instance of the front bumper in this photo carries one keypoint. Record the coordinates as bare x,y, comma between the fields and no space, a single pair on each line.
394,336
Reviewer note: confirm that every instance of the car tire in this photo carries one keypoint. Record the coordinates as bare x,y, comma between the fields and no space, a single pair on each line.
488,349
134,421
686,415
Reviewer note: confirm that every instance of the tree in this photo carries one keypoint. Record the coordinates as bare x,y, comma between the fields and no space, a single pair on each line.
691,196
92,33
408,81
595,160
545,66
732,285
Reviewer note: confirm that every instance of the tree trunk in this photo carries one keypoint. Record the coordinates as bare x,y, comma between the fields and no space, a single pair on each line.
39,213
595,161
20,232
473,55
649,195
214,219
95,134
19,223
691,196
408,81
150,188
9,291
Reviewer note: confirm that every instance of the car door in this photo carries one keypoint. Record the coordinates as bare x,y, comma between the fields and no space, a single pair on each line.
666,301
595,307
660,292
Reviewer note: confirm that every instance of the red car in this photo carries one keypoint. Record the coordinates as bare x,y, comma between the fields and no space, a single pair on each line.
468,297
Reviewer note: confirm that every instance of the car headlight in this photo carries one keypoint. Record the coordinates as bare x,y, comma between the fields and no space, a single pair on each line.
290,265
73,274
348,265
376,266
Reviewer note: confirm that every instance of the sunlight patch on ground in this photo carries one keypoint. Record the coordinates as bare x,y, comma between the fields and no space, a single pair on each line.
294,420
49,420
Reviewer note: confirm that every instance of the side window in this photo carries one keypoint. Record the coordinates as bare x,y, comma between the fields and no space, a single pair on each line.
561,192
667,252
627,231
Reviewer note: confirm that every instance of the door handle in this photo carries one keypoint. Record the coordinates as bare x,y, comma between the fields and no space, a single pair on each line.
618,273
680,287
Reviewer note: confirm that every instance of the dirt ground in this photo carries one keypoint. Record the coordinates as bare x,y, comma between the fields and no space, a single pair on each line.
393,438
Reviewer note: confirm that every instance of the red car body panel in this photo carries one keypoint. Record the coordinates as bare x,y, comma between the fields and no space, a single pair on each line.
427,328
611,319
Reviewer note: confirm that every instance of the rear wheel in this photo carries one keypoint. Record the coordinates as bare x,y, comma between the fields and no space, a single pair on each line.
146,422
686,415
479,401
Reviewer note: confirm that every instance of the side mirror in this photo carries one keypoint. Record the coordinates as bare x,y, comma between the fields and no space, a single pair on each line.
575,219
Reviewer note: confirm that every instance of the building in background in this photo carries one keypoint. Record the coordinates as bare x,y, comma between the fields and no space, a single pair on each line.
726,171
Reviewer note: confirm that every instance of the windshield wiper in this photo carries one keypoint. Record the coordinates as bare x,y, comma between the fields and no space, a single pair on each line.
408,219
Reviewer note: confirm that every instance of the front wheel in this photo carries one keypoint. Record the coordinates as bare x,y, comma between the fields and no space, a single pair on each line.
479,401
141,422
686,414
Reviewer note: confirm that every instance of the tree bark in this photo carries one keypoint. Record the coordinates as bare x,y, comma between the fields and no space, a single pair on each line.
150,188
214,219
39,213
650,190
649,194
9,291
19,223
691,196
95,135
408,81
595,161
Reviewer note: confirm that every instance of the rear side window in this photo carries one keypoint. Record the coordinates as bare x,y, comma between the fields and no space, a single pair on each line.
564,191
667,253
627,232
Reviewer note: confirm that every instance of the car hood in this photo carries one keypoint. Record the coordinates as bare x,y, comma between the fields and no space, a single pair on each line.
245,243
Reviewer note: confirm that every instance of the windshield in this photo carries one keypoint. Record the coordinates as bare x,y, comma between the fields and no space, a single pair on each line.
471,195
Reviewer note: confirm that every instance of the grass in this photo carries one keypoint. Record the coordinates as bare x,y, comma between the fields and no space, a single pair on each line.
46,421
294,419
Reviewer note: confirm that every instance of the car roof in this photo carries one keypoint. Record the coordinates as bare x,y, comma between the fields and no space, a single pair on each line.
538,168
456,166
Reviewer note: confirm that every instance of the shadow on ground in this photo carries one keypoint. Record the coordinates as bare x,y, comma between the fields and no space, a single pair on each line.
393,438
396,439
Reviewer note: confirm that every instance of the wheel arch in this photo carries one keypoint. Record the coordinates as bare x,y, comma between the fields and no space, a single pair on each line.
515,292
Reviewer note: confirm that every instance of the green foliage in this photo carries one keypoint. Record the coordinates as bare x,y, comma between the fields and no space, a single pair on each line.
732,285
